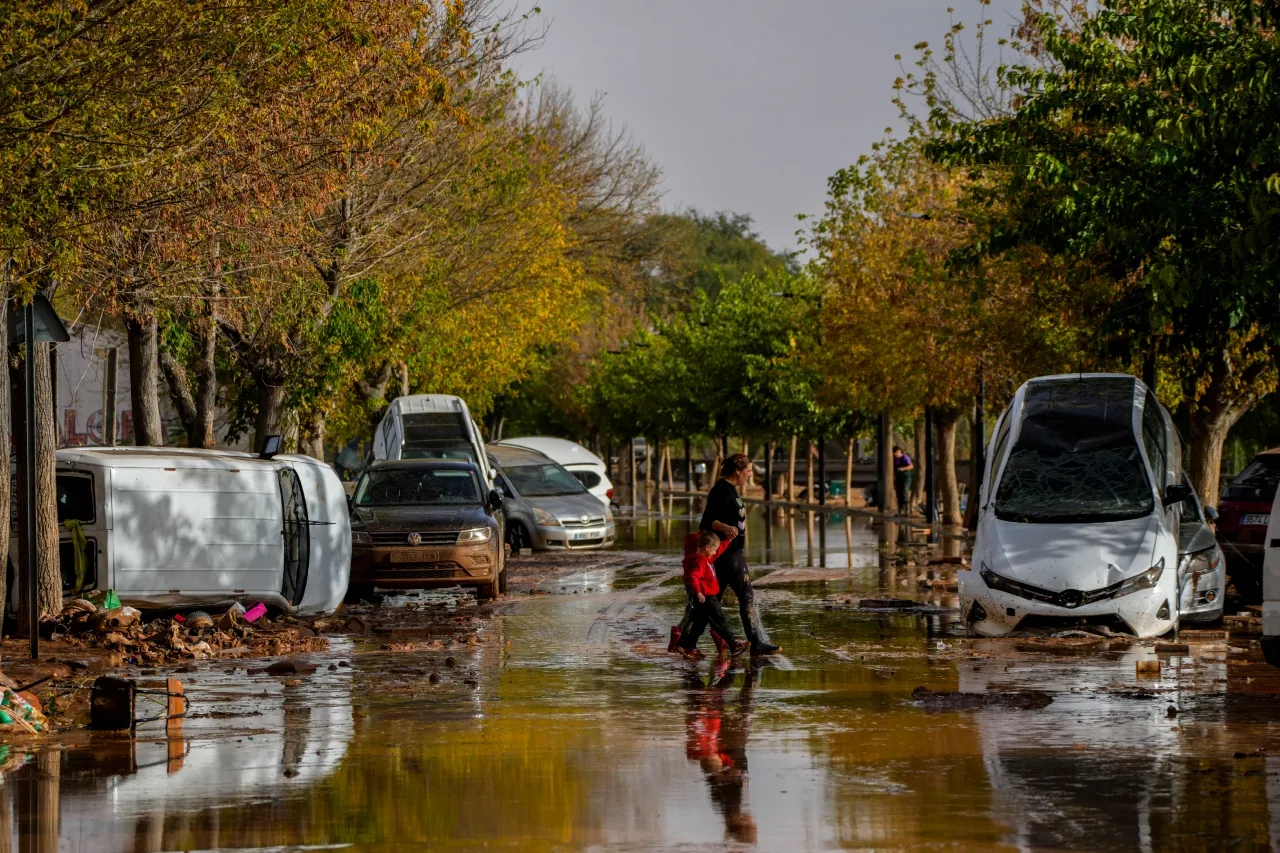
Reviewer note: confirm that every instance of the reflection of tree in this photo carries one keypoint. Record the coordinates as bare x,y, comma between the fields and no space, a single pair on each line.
716,738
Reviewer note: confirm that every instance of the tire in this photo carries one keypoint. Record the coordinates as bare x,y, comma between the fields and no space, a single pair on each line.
502,581
518,537
488,591
358,592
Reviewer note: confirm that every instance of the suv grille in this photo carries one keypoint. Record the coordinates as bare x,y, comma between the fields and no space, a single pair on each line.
429,537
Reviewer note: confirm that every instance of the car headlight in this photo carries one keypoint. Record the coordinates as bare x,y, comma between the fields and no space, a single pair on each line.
1203,562
361,537
474,535
545,518
997,582
1146,580
608,515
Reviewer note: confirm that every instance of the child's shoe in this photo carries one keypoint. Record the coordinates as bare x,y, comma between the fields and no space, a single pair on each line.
721,645
675,639
691,654
740,646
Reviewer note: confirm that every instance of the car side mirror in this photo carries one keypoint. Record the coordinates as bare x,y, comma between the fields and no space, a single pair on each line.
1176,493
1211,513
495,499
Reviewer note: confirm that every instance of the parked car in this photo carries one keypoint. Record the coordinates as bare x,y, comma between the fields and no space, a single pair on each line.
1080,512
166,527
1244,511
548,507
430,426
576,459
1202,569
426,524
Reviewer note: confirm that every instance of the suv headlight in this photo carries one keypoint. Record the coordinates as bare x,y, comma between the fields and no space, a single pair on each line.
361,537
1146,580
474,535
545,518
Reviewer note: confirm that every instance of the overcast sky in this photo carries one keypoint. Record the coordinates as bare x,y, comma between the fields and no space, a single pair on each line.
748,105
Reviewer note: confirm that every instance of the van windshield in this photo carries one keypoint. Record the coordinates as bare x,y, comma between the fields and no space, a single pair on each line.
543,481
418,487
1076,458
436,435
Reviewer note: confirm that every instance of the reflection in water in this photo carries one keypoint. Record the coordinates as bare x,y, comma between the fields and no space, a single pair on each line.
717,741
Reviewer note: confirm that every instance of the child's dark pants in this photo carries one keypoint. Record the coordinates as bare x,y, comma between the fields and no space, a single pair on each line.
706,613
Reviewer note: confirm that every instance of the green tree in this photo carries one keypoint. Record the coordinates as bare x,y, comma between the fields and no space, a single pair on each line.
1145,141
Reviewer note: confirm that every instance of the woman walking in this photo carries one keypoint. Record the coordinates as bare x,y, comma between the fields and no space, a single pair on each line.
726,516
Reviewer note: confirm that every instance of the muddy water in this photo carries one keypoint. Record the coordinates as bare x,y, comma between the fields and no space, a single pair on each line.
569,729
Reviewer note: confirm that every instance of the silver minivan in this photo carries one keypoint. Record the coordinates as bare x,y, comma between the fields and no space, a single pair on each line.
547,508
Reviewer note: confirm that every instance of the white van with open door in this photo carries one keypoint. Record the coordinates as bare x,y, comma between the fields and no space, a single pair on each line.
430,426
167,527
1080,511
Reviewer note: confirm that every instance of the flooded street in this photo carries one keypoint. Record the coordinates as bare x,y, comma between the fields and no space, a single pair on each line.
569,727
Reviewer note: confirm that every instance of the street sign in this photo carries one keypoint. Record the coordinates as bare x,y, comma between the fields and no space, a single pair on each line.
49,328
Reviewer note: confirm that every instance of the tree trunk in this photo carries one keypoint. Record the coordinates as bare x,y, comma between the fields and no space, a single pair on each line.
195,406
974,487
270,409
648,465
810,456
921,462
850,452
948,484
791,472
884,446
311,431
5,482
1226,399
144,381
48,575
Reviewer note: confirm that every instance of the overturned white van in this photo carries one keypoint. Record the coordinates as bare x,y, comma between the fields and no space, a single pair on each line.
1271,588
1080,512
166,527
430,426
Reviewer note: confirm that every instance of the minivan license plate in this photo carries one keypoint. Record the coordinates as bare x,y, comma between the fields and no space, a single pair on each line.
1256,519
589,534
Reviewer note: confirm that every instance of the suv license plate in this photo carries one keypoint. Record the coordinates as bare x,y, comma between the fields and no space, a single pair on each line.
1256,519
415,555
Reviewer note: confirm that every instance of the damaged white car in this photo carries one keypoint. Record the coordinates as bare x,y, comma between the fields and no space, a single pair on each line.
1081,515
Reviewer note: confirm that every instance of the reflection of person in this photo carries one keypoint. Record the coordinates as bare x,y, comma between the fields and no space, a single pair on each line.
904,471
726,516
700,551
716,738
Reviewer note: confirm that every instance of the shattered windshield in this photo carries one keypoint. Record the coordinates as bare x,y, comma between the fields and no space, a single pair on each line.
1076,458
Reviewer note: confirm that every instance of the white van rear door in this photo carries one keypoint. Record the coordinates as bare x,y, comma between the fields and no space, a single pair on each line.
196,530
1271,574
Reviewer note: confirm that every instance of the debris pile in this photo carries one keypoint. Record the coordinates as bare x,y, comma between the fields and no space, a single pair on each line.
195,635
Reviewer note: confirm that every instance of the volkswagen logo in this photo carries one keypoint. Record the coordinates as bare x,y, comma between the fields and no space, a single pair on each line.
585,519
415,538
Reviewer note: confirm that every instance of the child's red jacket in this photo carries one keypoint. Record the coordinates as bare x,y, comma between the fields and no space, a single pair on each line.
699,575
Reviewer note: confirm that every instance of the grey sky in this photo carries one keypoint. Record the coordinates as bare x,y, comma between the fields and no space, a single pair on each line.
748,105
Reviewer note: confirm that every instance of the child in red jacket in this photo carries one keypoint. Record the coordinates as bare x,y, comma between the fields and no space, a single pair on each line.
700,552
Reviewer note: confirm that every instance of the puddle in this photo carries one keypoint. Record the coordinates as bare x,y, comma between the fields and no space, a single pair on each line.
567,728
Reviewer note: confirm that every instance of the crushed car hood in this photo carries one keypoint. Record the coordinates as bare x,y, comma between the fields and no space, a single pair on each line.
1072,556
420,517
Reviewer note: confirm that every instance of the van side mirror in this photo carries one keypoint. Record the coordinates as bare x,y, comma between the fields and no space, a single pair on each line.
495,499
271,445
1176,493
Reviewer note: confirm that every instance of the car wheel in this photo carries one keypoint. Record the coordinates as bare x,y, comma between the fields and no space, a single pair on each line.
502,581
518,537
487,592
